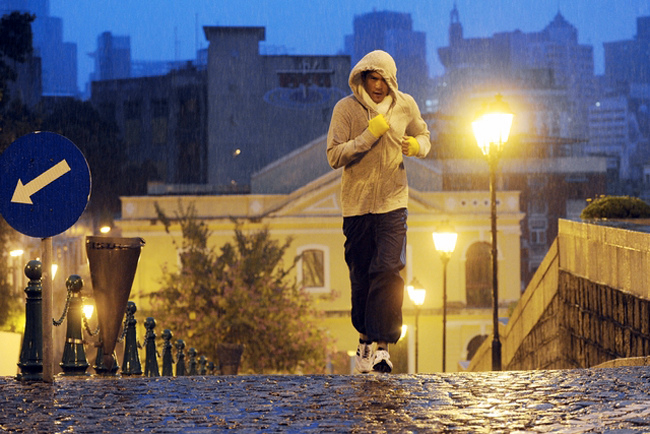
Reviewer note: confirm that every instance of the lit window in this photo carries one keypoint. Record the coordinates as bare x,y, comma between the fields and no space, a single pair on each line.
313,273
313,268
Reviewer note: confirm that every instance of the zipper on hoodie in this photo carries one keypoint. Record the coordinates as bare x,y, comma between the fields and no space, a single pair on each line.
382,157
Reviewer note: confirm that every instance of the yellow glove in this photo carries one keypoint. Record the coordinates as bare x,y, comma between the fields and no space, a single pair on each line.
378,125
410,146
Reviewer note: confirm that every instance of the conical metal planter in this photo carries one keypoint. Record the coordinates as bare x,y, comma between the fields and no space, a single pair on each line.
113,262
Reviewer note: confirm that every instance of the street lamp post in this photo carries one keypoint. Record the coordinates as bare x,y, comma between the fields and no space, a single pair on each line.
417,295
444,239
491,129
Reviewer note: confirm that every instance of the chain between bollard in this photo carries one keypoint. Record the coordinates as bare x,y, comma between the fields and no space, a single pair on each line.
87,327
123,335
65,311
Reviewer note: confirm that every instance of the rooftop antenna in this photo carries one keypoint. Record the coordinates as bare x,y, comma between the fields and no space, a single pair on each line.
196,33
176,45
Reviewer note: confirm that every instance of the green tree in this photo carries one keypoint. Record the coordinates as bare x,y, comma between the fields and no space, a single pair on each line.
242,294
15,46
15,121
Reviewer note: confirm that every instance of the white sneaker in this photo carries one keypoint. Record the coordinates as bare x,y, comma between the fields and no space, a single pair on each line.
382,362
363,361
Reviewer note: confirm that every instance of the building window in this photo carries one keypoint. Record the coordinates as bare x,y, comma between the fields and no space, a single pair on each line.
538,237
132,110
478,275
537,229
537,207
159,130
159,108
132,124
313,272
313,268
160,114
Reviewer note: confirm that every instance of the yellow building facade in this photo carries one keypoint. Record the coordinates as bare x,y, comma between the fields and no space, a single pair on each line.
311,215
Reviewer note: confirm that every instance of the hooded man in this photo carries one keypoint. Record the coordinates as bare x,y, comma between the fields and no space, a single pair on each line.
370,132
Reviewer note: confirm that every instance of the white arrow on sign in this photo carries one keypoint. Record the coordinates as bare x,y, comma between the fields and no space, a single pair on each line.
23,193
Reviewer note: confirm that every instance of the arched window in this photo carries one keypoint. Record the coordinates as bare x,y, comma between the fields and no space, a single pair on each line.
478,275
313,268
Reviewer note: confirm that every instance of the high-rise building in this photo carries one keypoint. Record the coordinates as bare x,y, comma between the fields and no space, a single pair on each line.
620,119
112,57
58,58
113,60
628,61
393,32
614,134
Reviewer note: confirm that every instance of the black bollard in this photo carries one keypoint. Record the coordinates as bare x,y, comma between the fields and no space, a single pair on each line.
151,359
210,368
167,356
74,360
203,361
180,358
31,353
193,363
100,366
131,362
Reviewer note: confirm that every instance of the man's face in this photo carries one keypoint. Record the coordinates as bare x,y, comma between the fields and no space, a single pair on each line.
376,86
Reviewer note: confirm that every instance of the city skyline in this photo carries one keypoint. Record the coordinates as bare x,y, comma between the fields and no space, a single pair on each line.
175,33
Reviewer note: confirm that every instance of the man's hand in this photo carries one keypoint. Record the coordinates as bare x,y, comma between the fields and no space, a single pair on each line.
410,146
378,125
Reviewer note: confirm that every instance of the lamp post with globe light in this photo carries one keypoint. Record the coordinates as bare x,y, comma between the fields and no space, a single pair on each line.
444,239
491,129
417,295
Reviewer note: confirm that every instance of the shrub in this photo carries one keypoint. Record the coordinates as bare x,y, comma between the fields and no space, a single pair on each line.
616,207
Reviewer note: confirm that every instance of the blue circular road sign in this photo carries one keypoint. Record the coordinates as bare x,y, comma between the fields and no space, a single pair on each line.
45,184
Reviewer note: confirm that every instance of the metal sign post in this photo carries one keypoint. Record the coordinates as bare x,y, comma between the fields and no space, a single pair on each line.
48,358
44,189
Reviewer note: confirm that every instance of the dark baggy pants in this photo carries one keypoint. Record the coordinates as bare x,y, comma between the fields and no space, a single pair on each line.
375,251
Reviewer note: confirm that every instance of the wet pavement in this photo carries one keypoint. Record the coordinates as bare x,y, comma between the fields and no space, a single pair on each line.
611,400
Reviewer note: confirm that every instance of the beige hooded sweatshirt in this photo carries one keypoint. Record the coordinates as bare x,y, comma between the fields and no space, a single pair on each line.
374,178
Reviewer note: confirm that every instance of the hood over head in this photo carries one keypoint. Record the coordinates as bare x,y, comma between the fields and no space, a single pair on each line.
379,61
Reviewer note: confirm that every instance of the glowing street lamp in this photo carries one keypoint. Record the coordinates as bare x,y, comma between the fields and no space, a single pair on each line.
444,239
491,129
88,310
417,295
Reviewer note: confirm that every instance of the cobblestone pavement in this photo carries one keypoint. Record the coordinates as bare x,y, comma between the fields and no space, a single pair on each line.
615,400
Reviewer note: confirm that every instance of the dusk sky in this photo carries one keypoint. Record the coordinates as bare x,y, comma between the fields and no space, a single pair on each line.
172,29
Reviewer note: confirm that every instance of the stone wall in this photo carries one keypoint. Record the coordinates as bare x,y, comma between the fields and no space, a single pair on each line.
586,305
598,323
